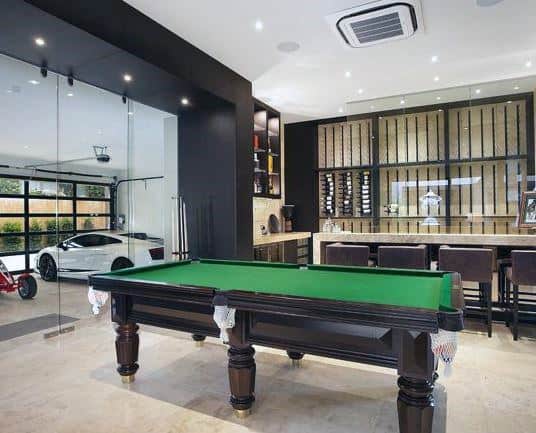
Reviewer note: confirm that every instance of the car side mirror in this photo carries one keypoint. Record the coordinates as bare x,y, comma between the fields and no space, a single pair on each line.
63,246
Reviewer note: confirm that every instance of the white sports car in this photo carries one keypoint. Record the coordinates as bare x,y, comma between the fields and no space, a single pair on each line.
88,253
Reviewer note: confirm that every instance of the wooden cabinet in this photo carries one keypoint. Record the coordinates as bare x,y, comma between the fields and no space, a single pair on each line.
293,251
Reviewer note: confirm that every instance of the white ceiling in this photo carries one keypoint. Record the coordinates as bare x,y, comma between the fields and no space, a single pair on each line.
49,121
474,45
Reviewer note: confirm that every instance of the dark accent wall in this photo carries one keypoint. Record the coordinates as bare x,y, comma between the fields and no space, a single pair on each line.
209,198
301,184
115,36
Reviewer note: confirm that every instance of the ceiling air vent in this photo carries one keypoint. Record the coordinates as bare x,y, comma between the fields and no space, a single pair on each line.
375,22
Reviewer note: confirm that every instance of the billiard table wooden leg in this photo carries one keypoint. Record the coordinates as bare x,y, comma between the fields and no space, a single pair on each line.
199,339
127,343
296,357
242,378
415,405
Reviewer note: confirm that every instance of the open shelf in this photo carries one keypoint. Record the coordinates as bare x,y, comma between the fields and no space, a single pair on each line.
266,151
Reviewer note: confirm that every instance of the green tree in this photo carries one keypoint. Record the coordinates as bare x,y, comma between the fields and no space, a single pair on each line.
95,191
66,224
10,186
36,241
88,224
12,243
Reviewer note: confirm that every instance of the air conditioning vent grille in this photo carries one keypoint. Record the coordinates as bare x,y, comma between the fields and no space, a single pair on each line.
374,29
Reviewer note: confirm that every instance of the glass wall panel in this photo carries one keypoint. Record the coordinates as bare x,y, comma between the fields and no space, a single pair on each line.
28,137
91,121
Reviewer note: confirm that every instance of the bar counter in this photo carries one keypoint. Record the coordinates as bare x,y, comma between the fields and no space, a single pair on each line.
519,241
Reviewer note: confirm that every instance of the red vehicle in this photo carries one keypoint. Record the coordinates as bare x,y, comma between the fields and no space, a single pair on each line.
25,284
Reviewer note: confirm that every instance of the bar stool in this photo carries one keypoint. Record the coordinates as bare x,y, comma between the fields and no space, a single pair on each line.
521,273
405,257
473,264
347,255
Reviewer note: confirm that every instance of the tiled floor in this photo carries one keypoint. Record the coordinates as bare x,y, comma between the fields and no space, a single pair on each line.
69,384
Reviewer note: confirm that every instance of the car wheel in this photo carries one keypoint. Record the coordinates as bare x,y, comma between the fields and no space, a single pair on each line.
47,268
28,287
121,263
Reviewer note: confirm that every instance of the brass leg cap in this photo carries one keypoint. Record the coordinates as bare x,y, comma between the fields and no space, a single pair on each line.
242,413
296,363
199,343
128,379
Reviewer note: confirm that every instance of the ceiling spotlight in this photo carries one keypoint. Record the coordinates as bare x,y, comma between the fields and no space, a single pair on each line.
528,63
516,87
259,25
434,59
347,74
402,102
436,78
127,78
40,42
360,91
33,82
341,110
381,117
477,91
185,101
438,98
70,94
440,110
508,102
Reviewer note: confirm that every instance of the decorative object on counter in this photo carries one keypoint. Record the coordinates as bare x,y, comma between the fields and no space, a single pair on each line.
430,200
527,212
264,231
288,211
273,224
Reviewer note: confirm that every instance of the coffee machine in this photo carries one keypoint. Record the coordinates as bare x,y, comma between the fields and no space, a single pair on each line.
288,211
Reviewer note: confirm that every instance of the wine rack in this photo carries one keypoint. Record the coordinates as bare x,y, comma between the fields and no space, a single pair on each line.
328,194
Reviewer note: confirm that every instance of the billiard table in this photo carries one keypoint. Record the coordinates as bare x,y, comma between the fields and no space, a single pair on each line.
369,315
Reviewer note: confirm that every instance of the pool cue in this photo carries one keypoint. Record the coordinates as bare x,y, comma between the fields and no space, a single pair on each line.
185,228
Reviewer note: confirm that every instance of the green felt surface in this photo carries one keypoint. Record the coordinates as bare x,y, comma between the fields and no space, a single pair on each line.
418,289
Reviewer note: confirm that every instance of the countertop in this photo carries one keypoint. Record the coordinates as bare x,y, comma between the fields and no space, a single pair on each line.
508,240
280,237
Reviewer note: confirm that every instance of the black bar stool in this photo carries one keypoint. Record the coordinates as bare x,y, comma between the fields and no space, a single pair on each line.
347,255
405,257
473,264
521,273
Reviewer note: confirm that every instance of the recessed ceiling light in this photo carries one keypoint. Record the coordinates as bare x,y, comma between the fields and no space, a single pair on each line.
402,102
70,94
436,78
127,78
434,59
477,91
33,82
516,87
347,74
341,110
440,110
438,98
360,91
40,42
528,63
288,46
185,101
259,25
508,102
372,107
380,117
130,113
